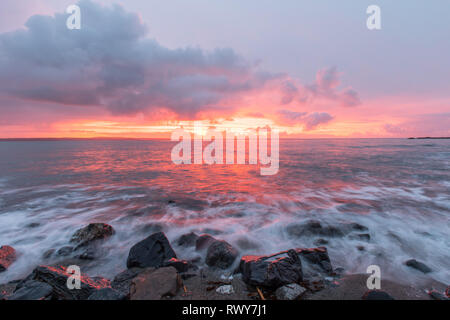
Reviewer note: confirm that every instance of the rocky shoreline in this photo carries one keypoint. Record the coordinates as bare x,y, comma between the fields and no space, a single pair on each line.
153,271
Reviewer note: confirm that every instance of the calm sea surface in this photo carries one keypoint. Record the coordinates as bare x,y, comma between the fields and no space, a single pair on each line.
399,189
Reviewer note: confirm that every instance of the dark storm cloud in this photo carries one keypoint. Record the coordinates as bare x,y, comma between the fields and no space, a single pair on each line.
110,62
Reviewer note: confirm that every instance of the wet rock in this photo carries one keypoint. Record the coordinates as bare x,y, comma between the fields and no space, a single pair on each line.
413,263
47,254
361,236
7,257
321,242
271,271
180,265
357,227
122,281
107,294
89,254
187,240
7,289
226,289
64,251
316,257
204,241
290,291
220,254
57,278
92,232
33,225
377,295
151,252
155,284
437,295
313,228
32,290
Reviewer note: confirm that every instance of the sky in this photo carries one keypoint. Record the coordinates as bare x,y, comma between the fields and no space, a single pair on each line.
143,68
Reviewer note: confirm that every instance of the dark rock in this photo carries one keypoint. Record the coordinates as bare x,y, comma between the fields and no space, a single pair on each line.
7,257
187,240
155,284
122,281
47,254
376,295
360,248
357,227
151,252
33,225
437,295
7,289
89,254
57,278
92,232
317,228
316,257
32,290
271,271
321,242
204,241
220,254
290,291
64,251
313,228
412,263
180,265
107,294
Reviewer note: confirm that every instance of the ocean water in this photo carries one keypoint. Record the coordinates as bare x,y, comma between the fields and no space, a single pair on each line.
399,189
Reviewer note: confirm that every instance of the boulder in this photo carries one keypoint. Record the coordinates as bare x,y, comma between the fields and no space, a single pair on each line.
155,284
187,240
316,258
151,252
180,265
91,233
7,257
32,290
220,254
377,295
57,277
64,251
412,263
107,294
7,289
317,228
272,271
313,228
204,241
290,291
122,281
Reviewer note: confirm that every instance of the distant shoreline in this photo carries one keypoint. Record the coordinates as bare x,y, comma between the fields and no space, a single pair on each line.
164,139
424,138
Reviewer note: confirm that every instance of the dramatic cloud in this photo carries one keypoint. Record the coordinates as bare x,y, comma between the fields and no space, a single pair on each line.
110,62
309,120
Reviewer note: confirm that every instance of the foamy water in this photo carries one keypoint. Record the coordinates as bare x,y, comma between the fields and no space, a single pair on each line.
397,188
